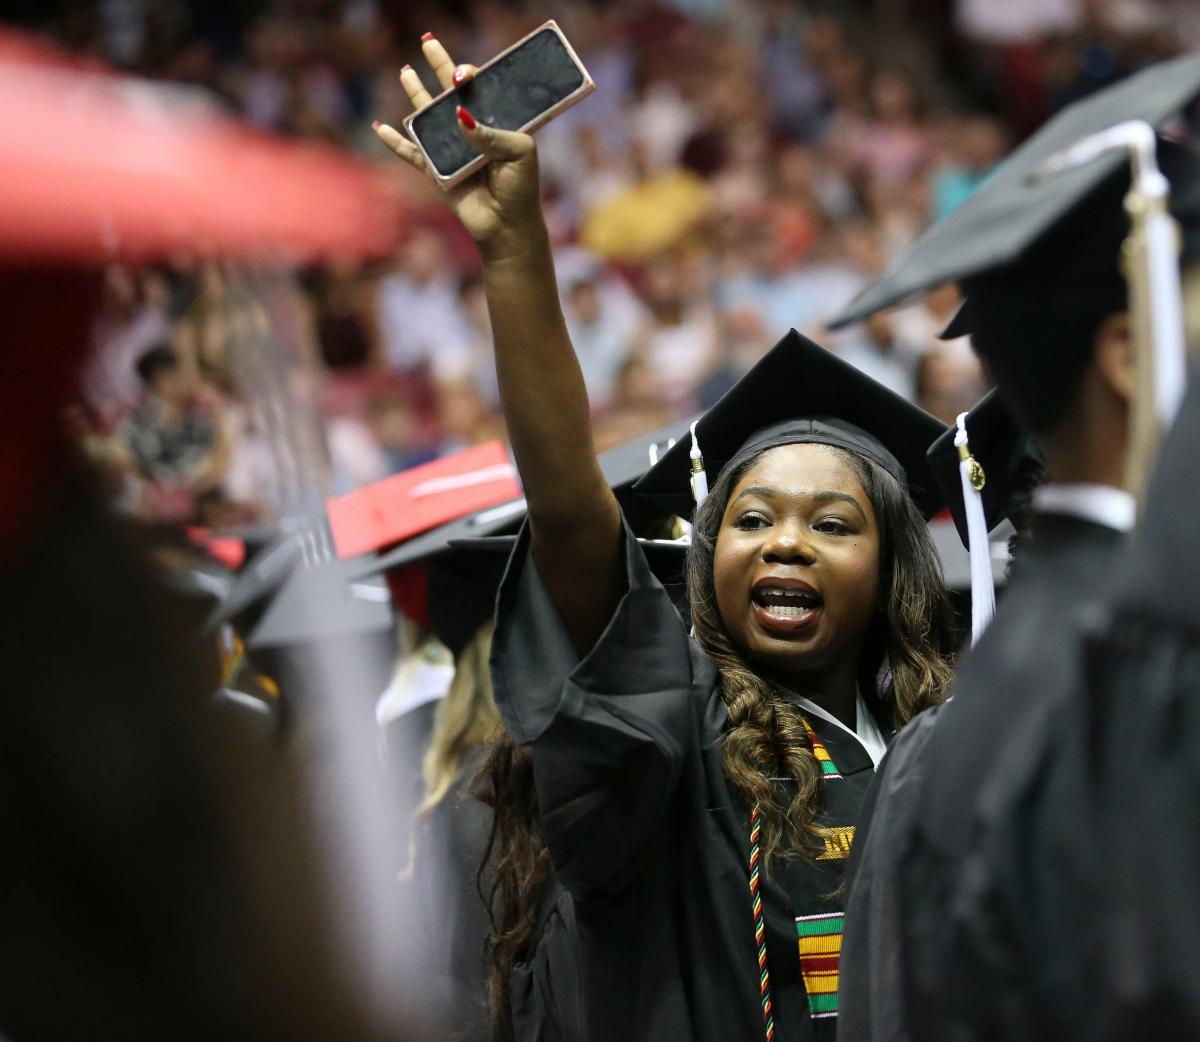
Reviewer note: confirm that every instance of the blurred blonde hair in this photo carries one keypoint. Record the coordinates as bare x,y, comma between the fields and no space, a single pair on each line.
465,717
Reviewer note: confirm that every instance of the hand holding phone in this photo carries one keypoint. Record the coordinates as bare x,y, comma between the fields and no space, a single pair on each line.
501,209
521,89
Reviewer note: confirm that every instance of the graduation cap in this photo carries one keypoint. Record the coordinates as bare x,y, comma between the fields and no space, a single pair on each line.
322,618
259,579
799,393
421,498
1018,206
319,601
979,464
1002,451
465,558
621,468
1079,254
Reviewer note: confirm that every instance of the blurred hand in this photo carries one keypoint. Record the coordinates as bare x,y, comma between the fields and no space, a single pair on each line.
499,206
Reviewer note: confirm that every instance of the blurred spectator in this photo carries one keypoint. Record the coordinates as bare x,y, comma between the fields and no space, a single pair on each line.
465,419
479,369
602,338
134,317
678,342
421,323
397,428
637,407
975,145
174,438
744,340
950,380
882,355
662,205
892,142
342,316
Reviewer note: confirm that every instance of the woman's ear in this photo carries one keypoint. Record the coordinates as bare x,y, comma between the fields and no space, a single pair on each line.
1114,355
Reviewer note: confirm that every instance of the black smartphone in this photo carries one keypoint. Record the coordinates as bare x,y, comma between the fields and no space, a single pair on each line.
521,88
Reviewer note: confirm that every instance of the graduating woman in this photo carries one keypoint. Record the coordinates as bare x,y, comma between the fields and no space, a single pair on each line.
698,794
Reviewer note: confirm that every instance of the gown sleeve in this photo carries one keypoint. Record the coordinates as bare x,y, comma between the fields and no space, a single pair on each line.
609,732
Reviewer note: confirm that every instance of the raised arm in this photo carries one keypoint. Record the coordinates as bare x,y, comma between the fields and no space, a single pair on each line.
574,519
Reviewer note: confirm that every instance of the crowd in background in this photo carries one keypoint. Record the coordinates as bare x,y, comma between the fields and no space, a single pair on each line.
744,167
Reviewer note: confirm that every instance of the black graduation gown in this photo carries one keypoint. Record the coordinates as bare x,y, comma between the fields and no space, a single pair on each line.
897,950
449,848
872,978
545,987
1091,933
649,837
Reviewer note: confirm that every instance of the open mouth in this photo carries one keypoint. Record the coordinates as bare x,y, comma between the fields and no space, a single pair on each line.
789,605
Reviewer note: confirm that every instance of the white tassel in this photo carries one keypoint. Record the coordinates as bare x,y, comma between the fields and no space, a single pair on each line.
699,477
983,592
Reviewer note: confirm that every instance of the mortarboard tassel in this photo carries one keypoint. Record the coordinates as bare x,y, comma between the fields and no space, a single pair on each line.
983,592
699,478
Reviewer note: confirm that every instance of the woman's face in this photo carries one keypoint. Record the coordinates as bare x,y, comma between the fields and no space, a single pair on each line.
796,568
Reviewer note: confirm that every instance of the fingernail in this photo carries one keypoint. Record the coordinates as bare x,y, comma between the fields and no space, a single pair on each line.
465,118
405,68
427,37
460,74
375,125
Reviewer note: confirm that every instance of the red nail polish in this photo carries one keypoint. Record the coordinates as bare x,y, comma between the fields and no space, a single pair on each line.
458,76
427,37
465,118
376,125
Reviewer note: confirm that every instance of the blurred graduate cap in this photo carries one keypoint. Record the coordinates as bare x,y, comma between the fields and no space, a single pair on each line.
251,588
980,464
1018,206
97,167
621,466
462,561
421,498
322,601
801,393
1005,456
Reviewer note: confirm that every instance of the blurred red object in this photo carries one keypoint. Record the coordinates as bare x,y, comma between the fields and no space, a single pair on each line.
227,550
97,167
422,498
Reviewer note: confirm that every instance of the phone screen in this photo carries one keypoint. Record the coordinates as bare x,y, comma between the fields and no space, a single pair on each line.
507,94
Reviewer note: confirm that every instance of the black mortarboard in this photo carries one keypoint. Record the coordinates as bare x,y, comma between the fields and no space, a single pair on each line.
463,559
1080,255
1017,207
797,393
320,618
1003,451
258,580
319,601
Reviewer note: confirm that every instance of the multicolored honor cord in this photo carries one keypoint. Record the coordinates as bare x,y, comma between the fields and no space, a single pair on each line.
760,930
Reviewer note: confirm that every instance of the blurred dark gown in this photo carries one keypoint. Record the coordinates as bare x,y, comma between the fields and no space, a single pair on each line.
153,882
1078,914
908,855
648,835
450,844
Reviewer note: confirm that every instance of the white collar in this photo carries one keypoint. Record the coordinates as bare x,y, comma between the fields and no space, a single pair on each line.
1102,504
866,729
